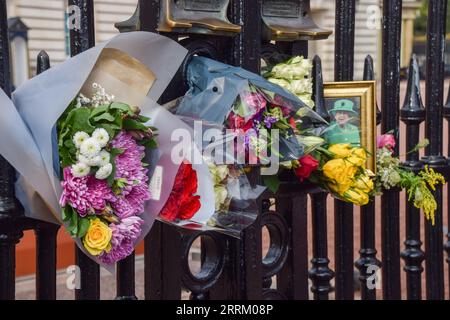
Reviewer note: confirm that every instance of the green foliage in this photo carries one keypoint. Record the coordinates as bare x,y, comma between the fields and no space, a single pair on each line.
272,183
77,226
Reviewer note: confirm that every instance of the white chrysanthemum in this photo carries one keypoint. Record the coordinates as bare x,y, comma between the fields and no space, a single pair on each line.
79,138
90,161
104,172
104,158
80,170
102,136
90,148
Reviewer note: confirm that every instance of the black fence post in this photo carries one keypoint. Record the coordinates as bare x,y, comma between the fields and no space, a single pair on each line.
81,40
10,232
437,13
368,263
344,58
390,100
320,273
413,114
46,234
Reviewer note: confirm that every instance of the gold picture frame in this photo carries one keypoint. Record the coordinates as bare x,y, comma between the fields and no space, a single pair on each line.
365,93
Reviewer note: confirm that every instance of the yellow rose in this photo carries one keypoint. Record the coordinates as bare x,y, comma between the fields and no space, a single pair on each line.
364,183
98,237
356,161
341,150
341,173
358,157
339,170
357,197
360,153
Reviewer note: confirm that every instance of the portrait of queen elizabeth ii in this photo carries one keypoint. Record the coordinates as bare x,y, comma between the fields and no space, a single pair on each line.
344,122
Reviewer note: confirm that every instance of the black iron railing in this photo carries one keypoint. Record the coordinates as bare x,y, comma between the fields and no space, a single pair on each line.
235,268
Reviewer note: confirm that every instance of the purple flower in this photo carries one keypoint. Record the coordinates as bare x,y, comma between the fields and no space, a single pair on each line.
130,201
84,194
269,121
124,236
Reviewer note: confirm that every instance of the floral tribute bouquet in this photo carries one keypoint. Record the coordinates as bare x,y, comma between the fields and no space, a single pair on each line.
89,156
249,106
341,170
104,179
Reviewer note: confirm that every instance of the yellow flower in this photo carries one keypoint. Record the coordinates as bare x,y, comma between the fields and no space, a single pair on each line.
341,173
424,199
364,183
360,153
98,237
357,197
432,177
341,150
358,157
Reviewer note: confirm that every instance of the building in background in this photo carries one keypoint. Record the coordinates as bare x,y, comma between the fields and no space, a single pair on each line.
47,30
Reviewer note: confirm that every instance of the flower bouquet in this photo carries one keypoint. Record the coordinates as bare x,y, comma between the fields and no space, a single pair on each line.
87,156
261,114
341,170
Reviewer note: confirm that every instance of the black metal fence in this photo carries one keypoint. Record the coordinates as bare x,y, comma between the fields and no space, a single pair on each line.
236,269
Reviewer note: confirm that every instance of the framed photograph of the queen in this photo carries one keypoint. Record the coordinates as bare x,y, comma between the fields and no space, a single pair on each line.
351,107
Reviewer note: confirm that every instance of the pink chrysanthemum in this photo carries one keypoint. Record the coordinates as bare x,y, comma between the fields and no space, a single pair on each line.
84,193
124,236
129,166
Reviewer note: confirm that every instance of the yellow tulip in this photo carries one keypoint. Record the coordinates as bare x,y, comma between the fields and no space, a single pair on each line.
341,150
357,197
364,183
98,237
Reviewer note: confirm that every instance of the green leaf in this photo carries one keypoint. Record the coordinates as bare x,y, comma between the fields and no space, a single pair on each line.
104,116
121,106
152,144
116,151
143,119
83,226
272,183
79,118
131,124
73,226
99,110
62,135
66,213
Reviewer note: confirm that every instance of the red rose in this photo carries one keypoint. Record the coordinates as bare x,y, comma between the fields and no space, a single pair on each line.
293,123
308,164
182,204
